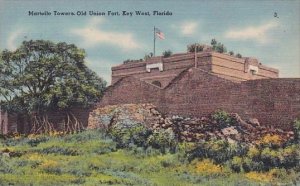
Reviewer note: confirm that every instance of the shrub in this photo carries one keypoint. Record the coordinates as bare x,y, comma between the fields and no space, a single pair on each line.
167,53
259,176
196,46
163,140
124,136
236,164
238,55
290,157
218,150
286,157
296,127
249,165
270,158
272,141
253,153
269,176
137,135
223,118
207,166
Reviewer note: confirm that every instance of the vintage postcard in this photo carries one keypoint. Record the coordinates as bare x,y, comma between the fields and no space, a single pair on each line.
158,93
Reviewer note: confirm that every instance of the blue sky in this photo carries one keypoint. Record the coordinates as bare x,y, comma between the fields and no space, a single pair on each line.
246,27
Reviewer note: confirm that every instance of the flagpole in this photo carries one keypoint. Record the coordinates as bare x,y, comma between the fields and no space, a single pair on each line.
154,42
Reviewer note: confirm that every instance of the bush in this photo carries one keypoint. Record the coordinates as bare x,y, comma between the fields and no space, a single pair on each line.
289,157
253,153
269,157
236,164
223,118
124,135
272,141
197,46
249,165
238,55
163,140
167,53
207,166
296,127
217,150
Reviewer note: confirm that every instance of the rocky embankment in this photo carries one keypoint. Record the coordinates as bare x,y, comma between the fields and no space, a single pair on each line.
186,128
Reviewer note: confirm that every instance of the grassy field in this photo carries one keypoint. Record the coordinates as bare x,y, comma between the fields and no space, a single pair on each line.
91,158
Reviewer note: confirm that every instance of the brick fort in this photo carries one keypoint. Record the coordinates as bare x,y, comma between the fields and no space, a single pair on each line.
197,84
194,85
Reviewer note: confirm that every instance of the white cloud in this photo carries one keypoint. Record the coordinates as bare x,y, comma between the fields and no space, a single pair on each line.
258,33
11,40
188,28
93,35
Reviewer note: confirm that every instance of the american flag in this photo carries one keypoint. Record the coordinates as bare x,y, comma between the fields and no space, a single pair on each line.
159,34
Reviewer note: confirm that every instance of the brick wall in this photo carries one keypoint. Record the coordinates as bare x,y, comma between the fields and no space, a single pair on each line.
198,93
131,90
195,92
275,102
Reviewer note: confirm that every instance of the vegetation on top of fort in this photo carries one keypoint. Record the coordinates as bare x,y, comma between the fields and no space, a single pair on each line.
41,75
215,46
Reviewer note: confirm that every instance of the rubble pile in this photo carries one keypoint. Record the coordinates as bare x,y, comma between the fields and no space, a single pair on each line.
189,129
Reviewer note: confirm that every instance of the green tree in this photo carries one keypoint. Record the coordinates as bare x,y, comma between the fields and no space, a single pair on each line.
217,46
213,42
196,46
167,53
42,75
238,55
220,48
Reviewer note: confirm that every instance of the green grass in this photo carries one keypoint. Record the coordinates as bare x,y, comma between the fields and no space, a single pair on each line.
91,158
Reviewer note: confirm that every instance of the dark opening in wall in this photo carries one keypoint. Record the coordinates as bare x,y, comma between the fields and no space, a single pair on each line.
253,72
157,83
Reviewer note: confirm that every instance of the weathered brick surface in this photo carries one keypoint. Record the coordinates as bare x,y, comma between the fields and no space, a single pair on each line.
131,90
222,64
197,93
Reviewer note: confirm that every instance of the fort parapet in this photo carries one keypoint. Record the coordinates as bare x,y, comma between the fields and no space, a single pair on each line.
161,71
